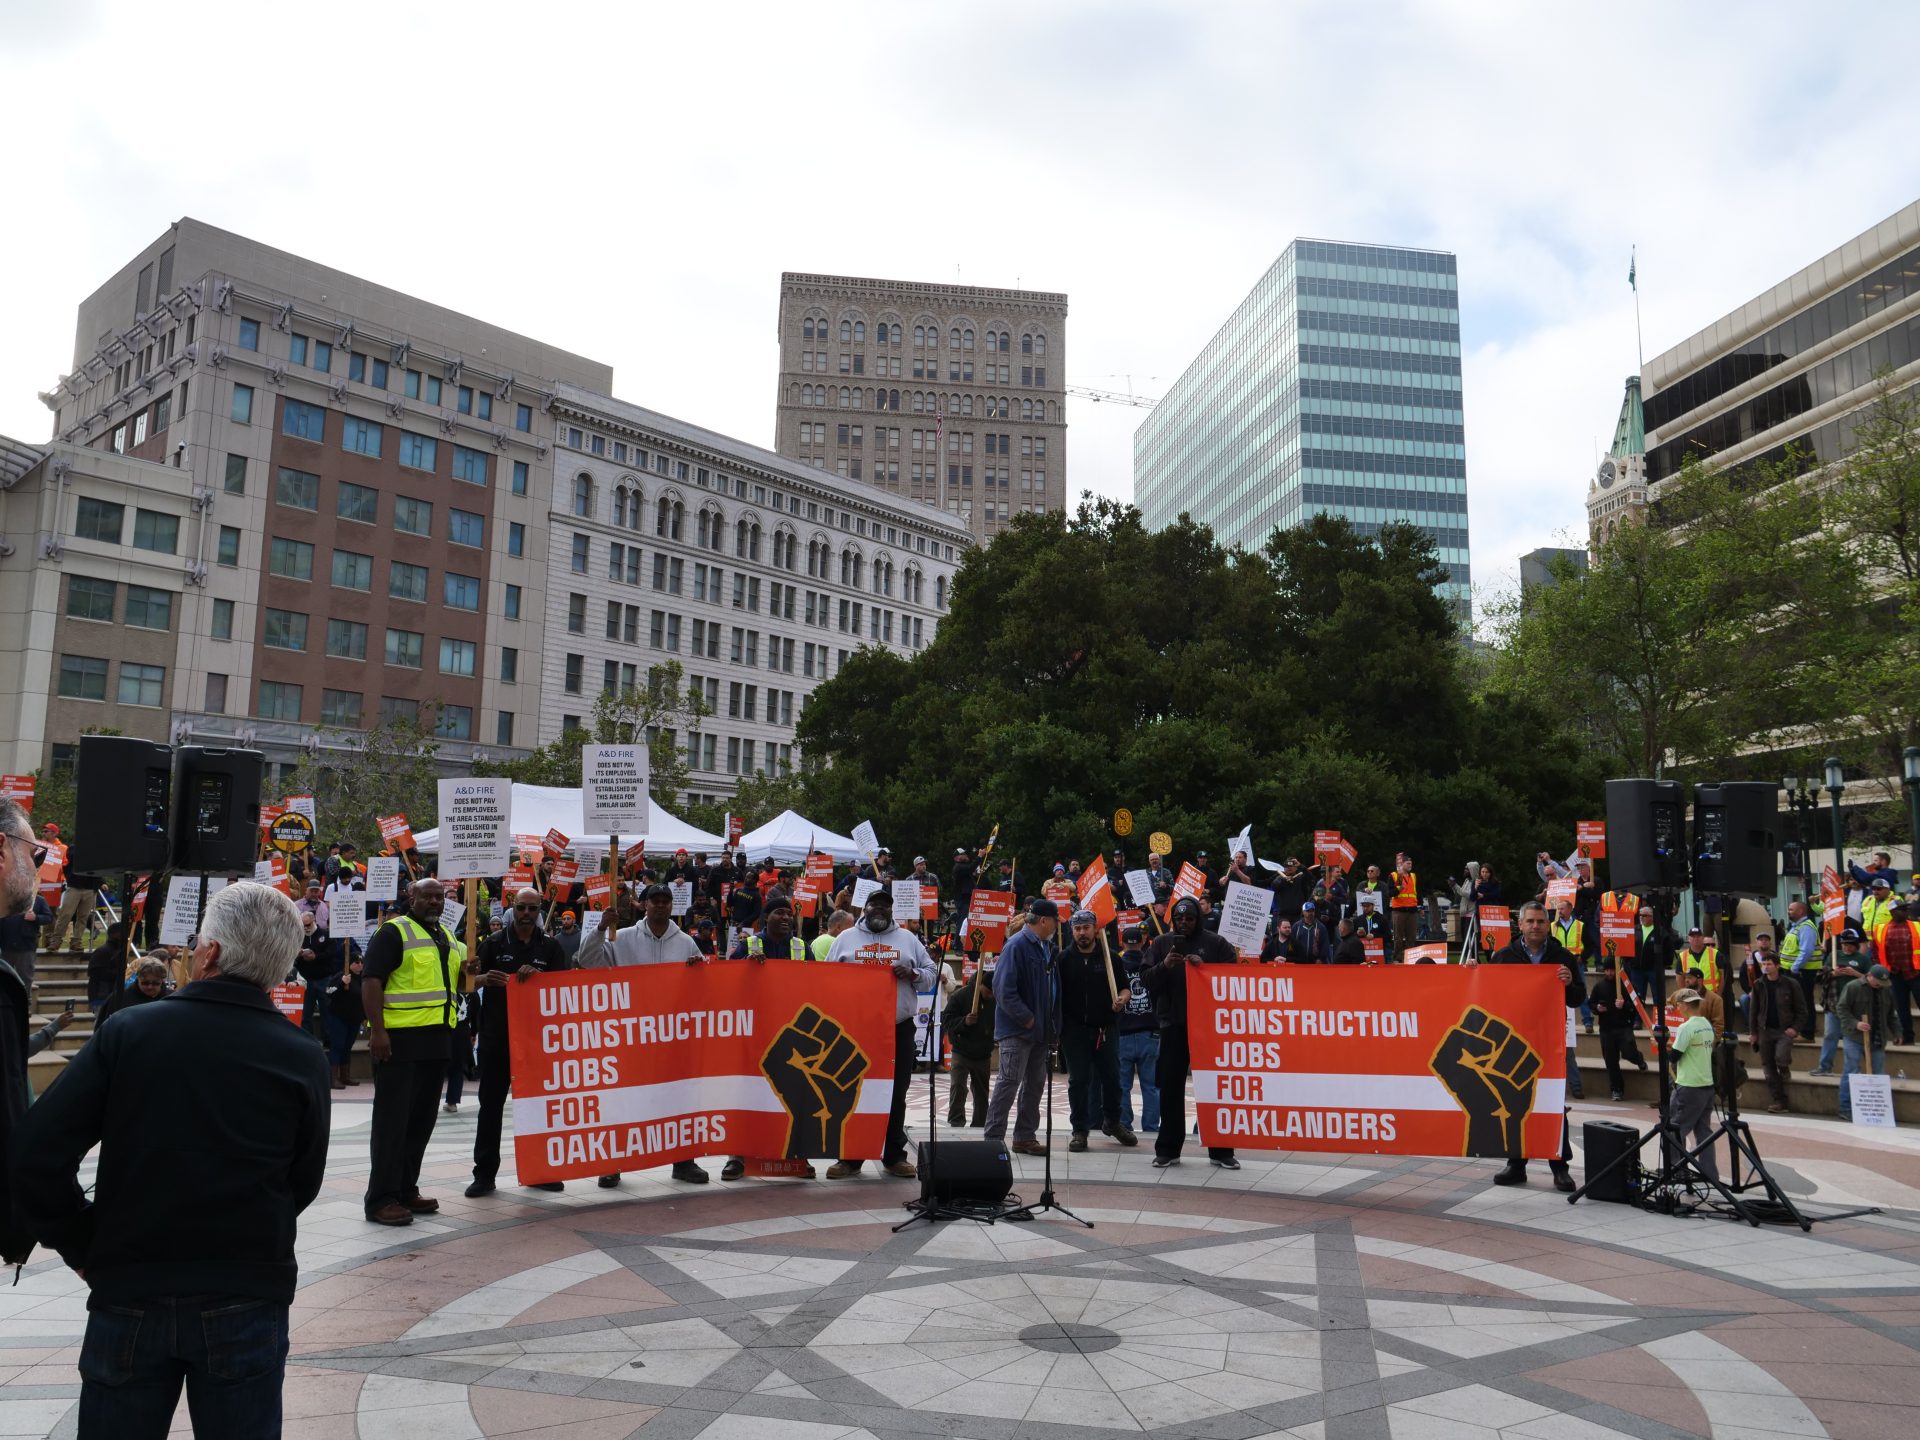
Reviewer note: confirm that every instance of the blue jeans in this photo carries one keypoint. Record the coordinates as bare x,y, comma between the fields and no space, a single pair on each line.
230,1352
340,1037
1829,1042
1856,1052
1139,1053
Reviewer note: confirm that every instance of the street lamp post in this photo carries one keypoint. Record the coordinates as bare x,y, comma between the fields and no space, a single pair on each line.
1801,798
1836,783
1910,777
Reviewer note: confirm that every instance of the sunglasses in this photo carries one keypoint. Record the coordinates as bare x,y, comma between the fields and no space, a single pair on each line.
39,852
530,906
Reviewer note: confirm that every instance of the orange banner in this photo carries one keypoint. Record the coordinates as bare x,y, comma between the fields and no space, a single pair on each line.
1590,839
1833,901
1191,881
1496,927
1096,891
987,914
561,876
815,884
1616,933
52,874
395,830
779,1060
19,789
1425,1061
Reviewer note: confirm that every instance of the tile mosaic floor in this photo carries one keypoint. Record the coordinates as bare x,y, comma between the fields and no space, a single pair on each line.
1341,1298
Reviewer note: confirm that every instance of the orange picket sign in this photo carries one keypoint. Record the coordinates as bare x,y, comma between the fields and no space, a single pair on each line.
987,916
1833,901
599,888
1425,1061
397,833
1496,927
1096,891
1191,881
1590,839
623,1070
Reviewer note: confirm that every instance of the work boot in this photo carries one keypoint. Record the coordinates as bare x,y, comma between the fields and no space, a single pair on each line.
1618,1096
478,1189
734,1169
1078,1142
1562,1176
843,1169
420,1205
1124,1135
690,1172
608,1182
391,1213
1514,1174
1028,1147
901,1170
550,1186
339,1077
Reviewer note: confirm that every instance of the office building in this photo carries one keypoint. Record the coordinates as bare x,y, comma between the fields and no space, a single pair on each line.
1786,373
1334,388
950,395
282,503
1617,494
1537,566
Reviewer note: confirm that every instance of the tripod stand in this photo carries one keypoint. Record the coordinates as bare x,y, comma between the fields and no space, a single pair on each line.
1048,1200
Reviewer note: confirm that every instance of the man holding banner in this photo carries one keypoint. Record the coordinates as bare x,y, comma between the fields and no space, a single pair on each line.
1165,976
879,942
512,955
1537,947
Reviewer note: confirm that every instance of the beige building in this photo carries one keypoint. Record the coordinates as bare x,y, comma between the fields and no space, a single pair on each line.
950,395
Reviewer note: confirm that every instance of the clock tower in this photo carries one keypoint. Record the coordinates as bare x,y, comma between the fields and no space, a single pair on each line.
1617,494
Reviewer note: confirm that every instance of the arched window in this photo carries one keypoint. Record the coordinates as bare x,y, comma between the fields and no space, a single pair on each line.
806,328
1026,344
668,515
966,339
893,399
919,335
860,332
916,402
966,405
846,330
953,338
583,495
895,335
1039,344
940,592
845,401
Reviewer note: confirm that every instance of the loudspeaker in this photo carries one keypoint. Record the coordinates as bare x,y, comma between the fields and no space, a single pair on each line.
216,809
123,791
970,1171
1646,835
1736,837
1606,1141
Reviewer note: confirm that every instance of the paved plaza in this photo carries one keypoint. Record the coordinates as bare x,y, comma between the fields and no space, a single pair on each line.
1324,1298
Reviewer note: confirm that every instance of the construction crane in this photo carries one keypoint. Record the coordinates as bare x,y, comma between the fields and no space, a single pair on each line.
1117,397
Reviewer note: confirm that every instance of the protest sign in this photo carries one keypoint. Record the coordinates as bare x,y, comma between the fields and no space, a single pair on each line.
1412,1062
347,918
1243,917
1833,901
182,914
1190,882
599,887
613,788
987,915
1130,919
452,912
302,805
682,896
1590,839
396,832
906,900
1374,947
19,789
1434,952
553,844
1616,933
1496,927
1871,1099
289,1000
383,877
1140,887
590,922
1095,891
561,876
1565,889
272,871
779,1060
861,890
866,839
475,828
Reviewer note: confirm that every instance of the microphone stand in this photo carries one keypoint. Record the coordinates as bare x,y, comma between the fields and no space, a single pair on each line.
930,1207
1048,1199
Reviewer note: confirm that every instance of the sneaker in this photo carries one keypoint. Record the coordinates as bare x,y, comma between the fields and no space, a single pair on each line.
1618,1096
1161,1162
1640,1063
690,1172
1124,1134
843,1169
1562,1177
1225,1162
1512,1175
391,1213
902,1170
420,1205
734,1169
1028,1147
479,1188
552,1187
1776,1109
450,1109
1590,1027
1078,1143
1826,1073
608,1182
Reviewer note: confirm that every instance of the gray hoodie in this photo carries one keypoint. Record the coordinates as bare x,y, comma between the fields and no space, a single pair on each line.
861,946
636,945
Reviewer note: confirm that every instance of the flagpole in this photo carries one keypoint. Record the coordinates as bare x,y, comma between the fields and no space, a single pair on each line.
1633,282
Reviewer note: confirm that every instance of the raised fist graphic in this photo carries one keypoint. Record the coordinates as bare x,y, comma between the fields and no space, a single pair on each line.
1491,1072
815,1069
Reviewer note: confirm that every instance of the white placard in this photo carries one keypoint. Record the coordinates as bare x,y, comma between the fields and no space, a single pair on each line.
1243,916
682,896
589,922
1241,844
1140,887
862,889
1573,1026
183,910
263,872
383,877
452,912
303,805
591,857
926,1026
864,837
347,918
613,788
906,899
476,829
1872,1100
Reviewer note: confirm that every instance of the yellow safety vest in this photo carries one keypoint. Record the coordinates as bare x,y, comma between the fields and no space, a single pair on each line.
1569,935
1790,950
420,992
1874,914
1708,962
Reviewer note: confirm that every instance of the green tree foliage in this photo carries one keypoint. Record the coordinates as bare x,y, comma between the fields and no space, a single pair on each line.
1089,664
357,776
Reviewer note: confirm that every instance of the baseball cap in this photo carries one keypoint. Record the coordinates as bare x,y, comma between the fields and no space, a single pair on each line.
1043,909
1880,882
1308,905
919,859
1852,935
1696,930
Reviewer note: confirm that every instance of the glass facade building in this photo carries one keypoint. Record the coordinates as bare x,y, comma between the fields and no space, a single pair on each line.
1334,388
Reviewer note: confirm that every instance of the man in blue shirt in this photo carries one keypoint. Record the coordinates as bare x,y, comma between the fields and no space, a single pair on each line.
1022,1026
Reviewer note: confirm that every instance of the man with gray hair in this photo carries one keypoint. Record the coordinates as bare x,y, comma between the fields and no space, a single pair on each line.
20,857
227,1163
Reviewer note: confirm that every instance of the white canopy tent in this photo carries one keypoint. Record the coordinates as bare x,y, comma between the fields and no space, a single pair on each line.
540,808
787,836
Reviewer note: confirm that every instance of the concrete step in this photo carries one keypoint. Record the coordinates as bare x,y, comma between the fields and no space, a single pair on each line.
1807,1094
1899,1057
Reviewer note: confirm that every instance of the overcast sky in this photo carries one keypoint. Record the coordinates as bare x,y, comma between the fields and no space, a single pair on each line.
629,180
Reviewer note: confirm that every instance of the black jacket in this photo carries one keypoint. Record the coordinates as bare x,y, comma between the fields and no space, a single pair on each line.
1310,944
975,1041
1085,1000
15,1239
506,951
1554,954
210,1112
1165,973
1619,1014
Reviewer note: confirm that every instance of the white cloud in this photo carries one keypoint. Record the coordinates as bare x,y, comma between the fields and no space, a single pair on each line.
629,181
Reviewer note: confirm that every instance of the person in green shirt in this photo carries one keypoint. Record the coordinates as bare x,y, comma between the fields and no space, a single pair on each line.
1690,1110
